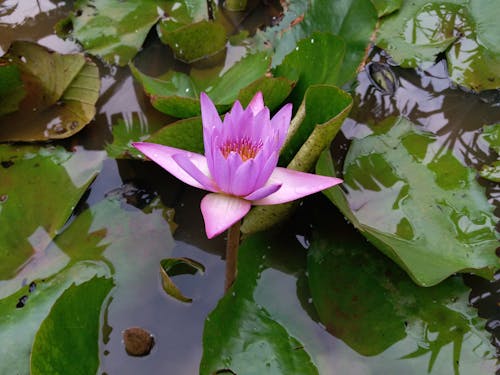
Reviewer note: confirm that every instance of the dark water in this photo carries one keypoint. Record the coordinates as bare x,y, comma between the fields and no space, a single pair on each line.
427,98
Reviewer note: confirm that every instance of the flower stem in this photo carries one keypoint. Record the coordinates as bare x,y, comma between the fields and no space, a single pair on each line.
232,244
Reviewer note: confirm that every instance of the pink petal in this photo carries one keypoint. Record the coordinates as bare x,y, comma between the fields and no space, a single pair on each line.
185,163
257,103
281,122
295,185
263,192
162,155
220,211
211,120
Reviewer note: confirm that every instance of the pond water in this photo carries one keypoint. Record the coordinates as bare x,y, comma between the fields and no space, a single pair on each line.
427,98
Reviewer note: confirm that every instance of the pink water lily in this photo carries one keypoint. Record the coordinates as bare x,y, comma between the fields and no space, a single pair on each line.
239,167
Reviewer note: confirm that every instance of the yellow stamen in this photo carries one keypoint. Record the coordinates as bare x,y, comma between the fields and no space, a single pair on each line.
244,147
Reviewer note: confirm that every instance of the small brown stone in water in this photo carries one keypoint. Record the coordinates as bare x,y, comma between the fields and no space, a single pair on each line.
138,341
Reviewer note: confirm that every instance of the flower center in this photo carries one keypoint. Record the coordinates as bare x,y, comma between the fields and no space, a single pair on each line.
244,147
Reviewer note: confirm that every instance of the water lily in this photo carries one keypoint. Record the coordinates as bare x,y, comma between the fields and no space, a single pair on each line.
239,167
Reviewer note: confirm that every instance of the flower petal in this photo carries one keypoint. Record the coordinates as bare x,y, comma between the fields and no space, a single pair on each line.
295,185
263,192
281,122
162,155
185,163
211,120
257,103
220,211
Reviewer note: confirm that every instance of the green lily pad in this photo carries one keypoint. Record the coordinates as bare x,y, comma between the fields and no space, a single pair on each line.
491,134
57,98
352,20
316,60
195,41
51,353
113,29
242,336
463,30
109,240
177,94
36,214
186,134
313,128
12,90
178,266
491,172
381,308
385,7
420,207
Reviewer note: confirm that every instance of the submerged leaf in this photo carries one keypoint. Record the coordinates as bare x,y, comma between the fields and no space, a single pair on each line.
417,204
178,266
381,308
57,96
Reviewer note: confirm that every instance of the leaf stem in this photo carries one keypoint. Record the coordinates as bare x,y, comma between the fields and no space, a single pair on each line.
232,244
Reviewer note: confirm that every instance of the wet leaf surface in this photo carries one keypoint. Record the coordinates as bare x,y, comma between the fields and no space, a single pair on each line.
110,239
241,335
418,204
177,94
69,333
33,181
57,98
113,29
11,88
178,266
463,31
382,310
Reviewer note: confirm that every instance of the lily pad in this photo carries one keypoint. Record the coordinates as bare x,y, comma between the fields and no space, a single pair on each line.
178,266
12,90
417,204
122,243
313,128
36,214
195,41
241,336
186,134
315,60
51,353
57,96
462,30
113,29
491,134
177,94
352,20
381,310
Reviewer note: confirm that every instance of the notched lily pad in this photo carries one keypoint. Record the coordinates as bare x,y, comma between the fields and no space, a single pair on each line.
417,203
178,266
57,96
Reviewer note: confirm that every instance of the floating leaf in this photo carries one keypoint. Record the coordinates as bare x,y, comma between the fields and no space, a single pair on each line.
385,7
195,41
417,204
491,134
462,30
12,91
316,60
58,97
491,172
65,324
124,243
186,134
241,336
178,266
113,29
381,308
313,128
352,20
36,214
177,94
